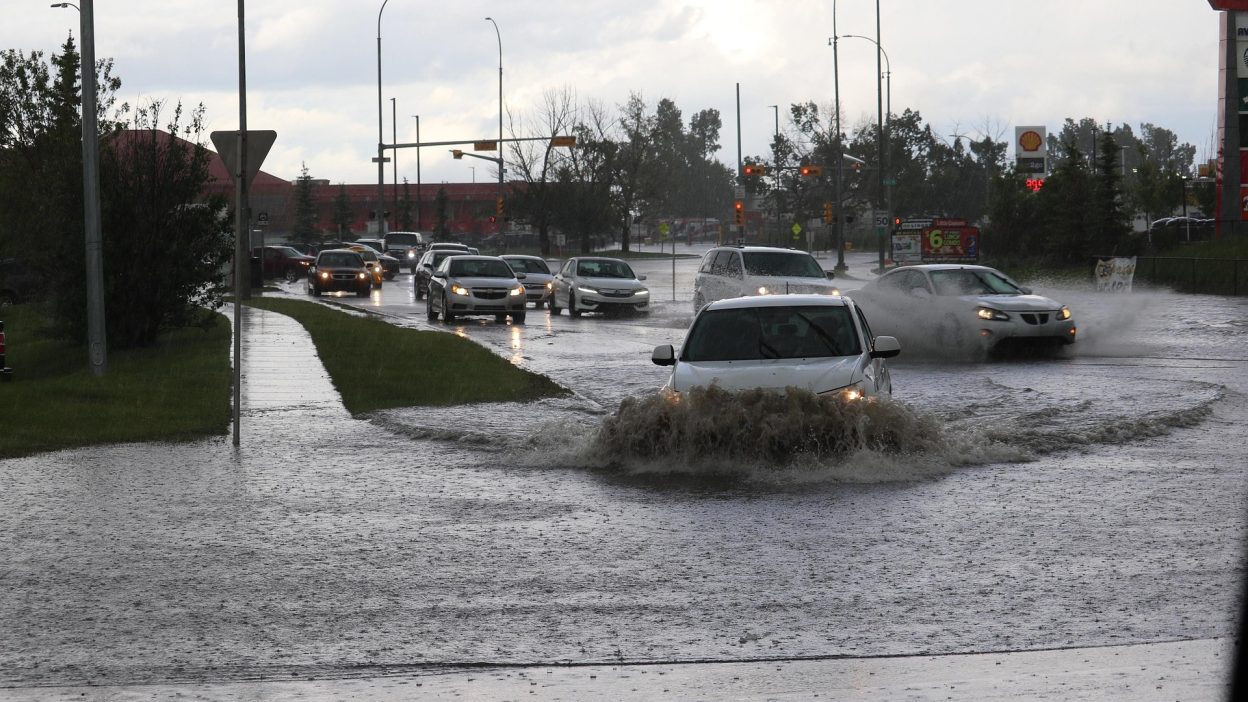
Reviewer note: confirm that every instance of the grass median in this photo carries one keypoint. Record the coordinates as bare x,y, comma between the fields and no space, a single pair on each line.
376,365
177,389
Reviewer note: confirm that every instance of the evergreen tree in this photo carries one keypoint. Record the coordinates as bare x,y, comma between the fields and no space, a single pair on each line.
344,216
305,209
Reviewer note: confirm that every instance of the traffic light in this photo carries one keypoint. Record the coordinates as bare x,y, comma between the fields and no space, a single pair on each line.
751,169
493,220
498,206
738,212
811,171
896,222
457,153
828,213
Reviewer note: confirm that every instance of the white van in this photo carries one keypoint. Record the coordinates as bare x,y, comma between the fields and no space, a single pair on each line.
738,271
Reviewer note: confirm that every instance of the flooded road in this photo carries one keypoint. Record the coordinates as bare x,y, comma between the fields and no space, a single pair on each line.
1093,499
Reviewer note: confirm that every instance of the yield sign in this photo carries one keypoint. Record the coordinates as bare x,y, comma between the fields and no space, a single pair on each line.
259,141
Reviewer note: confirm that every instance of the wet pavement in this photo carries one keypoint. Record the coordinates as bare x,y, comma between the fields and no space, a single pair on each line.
1085,542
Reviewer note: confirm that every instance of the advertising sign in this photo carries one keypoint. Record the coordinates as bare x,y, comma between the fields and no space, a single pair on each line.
1031,149
907,247
950,244
1114,274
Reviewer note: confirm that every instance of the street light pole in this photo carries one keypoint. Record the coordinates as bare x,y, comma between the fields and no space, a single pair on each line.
419,219
381,147
838,230
394,139
887,74
776,108
499,36
97,343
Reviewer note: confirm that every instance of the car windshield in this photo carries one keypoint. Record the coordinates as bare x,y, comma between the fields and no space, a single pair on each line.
341,259
366,253
756,333
964,281
288,251
782,263
403,239
528,265
603,269
440,256
480,268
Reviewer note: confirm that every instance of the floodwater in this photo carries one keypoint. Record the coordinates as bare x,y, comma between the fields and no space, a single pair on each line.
1095,498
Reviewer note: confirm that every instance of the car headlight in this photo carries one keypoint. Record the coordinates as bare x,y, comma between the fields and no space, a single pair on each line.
324,275
989,314
852,393
517,291
362,276
832,291
762,290
1063,313
550,285
641,291
411,254
459,290
588,291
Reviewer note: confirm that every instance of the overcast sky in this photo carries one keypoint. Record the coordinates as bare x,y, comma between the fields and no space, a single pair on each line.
968,66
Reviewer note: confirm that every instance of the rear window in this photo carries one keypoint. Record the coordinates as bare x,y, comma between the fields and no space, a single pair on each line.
341,259
528,265
783,264
403,239
758,333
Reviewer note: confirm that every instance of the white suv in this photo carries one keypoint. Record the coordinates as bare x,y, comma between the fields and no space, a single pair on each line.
738,271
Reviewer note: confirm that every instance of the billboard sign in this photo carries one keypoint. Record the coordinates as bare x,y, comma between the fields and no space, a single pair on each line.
1031,150
950,244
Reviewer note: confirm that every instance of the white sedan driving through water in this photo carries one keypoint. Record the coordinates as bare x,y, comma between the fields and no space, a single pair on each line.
819,343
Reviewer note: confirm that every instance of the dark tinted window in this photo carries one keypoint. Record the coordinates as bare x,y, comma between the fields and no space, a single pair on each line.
341,259
480,268
756,333
782,263
528,265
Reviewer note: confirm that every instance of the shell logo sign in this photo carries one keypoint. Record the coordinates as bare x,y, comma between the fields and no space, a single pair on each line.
1030,140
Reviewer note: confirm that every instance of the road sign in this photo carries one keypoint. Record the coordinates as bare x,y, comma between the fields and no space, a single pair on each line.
890,181
259,141
262,218
796,229
485,145
881,220
563,141
664,229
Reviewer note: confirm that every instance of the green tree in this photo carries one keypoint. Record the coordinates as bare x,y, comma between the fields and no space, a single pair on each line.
304,230
405,207
343,216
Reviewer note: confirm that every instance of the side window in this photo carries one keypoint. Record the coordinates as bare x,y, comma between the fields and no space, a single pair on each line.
733,269
568,267
708,262
915,280
866,328
719,267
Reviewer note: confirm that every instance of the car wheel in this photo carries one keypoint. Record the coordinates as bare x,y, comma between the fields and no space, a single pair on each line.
539,304
291,276
518,318
554,304
430,313
419,293
314,291
572,311
447,315
500,318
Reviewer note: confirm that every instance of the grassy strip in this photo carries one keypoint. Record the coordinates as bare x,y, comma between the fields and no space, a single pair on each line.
176,390
376,365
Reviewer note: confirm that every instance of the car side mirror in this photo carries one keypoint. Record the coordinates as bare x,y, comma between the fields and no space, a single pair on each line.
1025,290
438,274
885,347
663,355
830,274
521,276
641,277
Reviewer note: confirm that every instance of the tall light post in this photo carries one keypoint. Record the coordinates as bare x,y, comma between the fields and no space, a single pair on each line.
887,74
838,230
775,197
381,146
394,139
97,343
499,206
419,219
776,108
474,173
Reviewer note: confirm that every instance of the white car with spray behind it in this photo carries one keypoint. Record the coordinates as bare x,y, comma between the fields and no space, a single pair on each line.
963,309
819,343
734,271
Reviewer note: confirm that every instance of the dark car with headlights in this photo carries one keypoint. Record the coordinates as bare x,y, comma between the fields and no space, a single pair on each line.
538,277
407,247
339,270
476,285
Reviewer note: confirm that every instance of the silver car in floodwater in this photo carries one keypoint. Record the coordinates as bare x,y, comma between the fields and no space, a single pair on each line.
476,285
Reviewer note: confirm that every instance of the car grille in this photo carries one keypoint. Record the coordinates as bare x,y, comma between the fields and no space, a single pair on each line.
616,293
344,276
489,293
1035,318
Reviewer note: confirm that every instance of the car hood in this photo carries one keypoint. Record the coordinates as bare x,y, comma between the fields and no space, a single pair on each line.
778,285
485,282
814,374
611,283
1013,303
